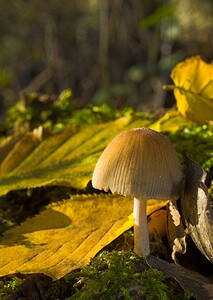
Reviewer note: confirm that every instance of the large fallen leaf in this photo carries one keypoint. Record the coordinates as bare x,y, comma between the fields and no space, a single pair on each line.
193,90
66,158
66,235
197,212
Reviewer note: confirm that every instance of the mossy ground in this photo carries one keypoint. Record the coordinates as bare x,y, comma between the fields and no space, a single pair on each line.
123,275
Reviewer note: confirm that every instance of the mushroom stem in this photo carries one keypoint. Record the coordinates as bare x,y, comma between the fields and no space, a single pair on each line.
141,235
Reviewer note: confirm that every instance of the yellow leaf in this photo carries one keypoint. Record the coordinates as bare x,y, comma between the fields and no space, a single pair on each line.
193,90
171,121
67,235
67,158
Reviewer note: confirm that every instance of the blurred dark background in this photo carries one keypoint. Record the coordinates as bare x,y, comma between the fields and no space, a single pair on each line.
118,52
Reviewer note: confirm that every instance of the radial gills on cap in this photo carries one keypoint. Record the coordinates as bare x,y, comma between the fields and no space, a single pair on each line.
139,162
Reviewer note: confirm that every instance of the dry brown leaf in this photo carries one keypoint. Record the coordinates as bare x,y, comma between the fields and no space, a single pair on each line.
175,231
197,213
199,286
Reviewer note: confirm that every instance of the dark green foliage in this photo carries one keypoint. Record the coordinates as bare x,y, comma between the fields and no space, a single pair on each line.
39,38
8,285
159,14
5,224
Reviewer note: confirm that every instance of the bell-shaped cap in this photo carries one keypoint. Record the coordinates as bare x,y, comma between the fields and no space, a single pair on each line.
139,163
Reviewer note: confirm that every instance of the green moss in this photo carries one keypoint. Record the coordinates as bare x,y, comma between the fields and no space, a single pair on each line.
53,113
35,109
122,275
195,141
153,285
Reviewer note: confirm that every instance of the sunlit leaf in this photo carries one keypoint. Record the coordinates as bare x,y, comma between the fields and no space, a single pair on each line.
193,90
171,121
66,158
67,235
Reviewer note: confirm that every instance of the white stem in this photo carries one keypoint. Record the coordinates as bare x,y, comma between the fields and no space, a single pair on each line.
141,235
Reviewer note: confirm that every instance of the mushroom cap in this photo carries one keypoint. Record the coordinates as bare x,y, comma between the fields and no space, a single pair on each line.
139,163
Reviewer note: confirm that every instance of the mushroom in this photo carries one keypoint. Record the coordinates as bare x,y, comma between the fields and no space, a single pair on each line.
139,163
